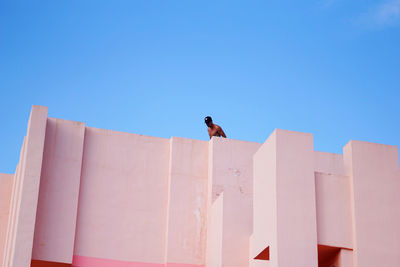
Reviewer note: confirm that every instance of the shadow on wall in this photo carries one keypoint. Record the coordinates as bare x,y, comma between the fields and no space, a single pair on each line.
328,256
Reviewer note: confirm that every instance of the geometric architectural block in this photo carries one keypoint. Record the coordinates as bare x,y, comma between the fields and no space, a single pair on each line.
284,200
375,183
215,233
334,216
59,190
88,197
231,172
21,227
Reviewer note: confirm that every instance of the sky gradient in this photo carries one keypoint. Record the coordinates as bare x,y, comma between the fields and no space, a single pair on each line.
330,68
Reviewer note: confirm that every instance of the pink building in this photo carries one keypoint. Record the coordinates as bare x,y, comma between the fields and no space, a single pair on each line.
89,197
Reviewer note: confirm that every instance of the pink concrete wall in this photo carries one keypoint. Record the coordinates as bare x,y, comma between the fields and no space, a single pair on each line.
334,217
123,197
214,233
265,202
26,190
375,181
6,182
252,252
101,262
259,263
187,201
10,234
295,185
109,199
59,190
328,163
284,169
231,172
345,258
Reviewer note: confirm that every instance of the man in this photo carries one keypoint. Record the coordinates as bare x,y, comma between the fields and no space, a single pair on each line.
213,129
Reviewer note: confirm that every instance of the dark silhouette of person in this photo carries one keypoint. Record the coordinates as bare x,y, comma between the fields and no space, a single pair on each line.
213,129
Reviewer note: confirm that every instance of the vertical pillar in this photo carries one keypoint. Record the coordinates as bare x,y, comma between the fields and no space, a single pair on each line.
26,197
16,185
215,233
284,200
187,202
375,182
59,191
231,173
265,202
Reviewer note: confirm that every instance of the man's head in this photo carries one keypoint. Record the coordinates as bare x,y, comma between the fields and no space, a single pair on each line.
208,121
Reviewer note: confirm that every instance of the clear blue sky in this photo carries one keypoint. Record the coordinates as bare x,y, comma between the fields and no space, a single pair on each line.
329,67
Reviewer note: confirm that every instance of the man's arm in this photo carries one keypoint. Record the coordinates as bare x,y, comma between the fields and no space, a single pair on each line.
221,132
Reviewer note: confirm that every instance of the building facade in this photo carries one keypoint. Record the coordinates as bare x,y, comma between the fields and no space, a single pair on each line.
89,197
